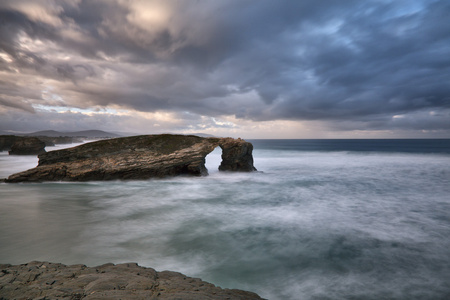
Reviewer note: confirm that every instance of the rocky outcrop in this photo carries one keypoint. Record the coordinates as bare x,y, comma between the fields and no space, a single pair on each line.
44,280
6,141
236,155
27,146
138,157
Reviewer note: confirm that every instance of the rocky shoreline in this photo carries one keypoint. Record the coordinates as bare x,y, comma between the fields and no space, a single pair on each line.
46,280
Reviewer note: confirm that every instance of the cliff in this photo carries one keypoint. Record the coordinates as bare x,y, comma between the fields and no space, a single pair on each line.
138,157
45,280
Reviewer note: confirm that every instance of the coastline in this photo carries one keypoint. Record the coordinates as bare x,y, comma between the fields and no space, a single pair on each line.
46,280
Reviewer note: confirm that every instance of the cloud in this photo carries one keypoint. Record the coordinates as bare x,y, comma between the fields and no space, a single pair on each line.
14,103
352,65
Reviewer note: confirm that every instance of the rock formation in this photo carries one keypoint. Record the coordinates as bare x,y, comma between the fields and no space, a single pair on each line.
236,155
6,141
138,157
27,146
44,280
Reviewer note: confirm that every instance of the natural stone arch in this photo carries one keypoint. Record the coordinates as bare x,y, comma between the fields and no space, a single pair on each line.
138,157
236,154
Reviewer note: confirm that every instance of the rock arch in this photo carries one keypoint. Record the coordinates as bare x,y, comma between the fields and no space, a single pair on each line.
138,157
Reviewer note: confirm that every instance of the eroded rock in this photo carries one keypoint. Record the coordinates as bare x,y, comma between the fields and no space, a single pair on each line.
236,155
45,280
138,157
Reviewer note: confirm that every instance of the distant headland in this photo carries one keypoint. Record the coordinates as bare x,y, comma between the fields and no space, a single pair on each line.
34,143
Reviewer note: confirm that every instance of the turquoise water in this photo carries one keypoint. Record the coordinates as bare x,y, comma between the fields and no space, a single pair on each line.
314,224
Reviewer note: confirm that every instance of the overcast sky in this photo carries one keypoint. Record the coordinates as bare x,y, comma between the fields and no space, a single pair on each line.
250,69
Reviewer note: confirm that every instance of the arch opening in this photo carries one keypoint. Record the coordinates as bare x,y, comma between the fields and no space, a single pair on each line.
213,160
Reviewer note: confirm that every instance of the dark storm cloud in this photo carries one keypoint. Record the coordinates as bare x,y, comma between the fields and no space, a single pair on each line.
362,64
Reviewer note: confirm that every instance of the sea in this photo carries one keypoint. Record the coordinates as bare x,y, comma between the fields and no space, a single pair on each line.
321,219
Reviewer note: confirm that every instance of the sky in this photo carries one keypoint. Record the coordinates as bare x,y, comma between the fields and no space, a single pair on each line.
239,68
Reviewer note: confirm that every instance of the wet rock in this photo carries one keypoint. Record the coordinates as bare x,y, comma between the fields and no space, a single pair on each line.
45,280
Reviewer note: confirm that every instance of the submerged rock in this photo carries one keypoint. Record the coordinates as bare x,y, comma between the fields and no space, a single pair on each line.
45,280
27,146
138,157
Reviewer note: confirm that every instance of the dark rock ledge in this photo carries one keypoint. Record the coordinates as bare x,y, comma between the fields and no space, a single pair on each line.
45,280
138,157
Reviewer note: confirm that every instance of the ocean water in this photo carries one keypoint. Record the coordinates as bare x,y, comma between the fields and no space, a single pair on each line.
324,219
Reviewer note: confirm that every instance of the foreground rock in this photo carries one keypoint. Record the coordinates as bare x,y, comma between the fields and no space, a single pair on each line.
44,280
27,146
138,157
